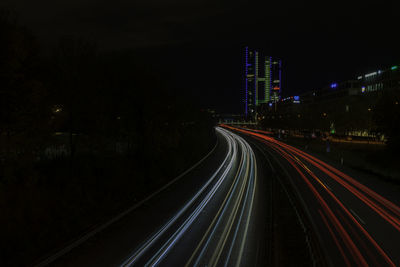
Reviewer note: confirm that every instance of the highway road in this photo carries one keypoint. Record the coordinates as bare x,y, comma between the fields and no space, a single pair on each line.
353,224
209,216
252,201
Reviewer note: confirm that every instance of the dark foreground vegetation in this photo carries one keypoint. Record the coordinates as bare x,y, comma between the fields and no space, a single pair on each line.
83,135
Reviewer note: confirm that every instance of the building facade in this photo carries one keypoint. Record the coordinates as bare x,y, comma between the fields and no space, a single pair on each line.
344,108
262,80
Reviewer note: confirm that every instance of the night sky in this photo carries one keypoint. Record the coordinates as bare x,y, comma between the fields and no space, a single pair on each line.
200,42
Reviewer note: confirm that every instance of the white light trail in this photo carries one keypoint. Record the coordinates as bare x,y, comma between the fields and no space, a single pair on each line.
235,211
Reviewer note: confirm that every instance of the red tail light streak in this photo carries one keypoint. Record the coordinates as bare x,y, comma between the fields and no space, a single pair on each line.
340,222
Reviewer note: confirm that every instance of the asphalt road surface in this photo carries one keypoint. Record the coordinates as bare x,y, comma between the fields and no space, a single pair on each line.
209,216
355,225
252,201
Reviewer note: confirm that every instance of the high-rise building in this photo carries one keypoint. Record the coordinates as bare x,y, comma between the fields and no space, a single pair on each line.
249,83
275,79
262,81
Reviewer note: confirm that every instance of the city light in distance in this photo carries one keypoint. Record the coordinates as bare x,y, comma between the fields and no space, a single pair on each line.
370,74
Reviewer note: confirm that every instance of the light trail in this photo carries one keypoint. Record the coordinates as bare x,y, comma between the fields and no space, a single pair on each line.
346,260
232,219
382,207
331,171
216,219
182,229
339,227
213,260
231,154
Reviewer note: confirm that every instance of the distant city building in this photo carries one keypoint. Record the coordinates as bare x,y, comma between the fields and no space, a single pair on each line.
344,108
274,79
379,80
262,81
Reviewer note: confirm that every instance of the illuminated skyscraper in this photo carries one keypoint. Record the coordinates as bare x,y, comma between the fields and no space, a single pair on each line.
250,78
275,79
262,81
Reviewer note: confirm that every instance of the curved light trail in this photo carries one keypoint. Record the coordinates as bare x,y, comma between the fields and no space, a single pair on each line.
224,241
361,242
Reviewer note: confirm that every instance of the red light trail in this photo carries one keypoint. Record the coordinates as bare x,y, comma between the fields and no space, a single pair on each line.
387,210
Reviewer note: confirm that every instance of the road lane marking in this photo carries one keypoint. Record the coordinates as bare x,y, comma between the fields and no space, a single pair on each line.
356,215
